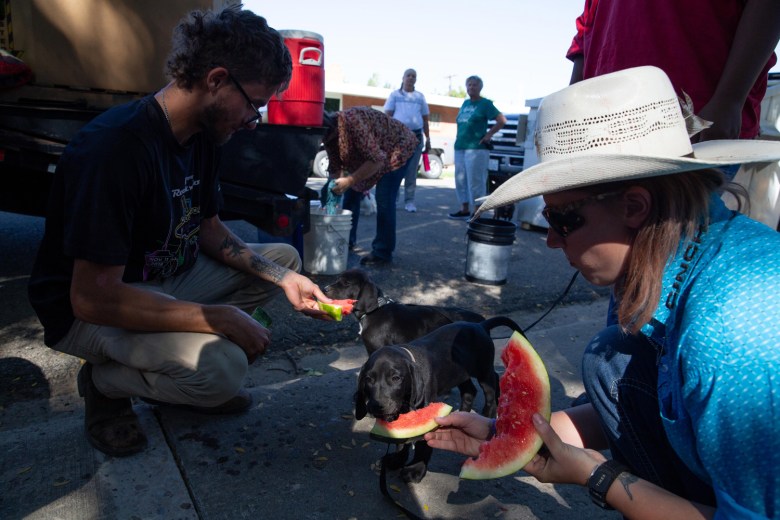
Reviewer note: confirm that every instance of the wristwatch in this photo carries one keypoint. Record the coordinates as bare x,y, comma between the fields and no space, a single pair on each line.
601,479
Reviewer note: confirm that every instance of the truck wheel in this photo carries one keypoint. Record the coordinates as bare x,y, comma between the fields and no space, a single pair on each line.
437,166
321,163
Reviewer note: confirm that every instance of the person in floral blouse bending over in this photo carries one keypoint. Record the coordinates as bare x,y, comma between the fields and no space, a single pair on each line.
368,148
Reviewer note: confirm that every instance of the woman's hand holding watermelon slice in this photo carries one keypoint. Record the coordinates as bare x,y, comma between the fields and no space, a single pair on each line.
461,432
561,463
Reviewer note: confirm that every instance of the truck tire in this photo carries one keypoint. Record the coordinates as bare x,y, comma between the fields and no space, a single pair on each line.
437,166
320,165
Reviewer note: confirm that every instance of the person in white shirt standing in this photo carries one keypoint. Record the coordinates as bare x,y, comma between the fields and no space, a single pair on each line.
409,107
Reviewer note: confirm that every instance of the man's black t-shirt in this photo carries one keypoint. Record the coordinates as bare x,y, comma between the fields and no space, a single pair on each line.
125,192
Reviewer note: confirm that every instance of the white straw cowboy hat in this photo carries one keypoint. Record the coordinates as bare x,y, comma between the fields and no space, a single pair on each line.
619,126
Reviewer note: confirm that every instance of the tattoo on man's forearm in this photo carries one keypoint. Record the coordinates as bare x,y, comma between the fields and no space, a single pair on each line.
263,265
233,247
627,479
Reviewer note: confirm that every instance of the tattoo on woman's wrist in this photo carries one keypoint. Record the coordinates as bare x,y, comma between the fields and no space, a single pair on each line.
626,479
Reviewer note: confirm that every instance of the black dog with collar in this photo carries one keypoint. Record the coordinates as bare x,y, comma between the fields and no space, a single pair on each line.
387,322
399,378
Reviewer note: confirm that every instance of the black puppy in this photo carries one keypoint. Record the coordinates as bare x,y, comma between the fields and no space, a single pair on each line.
387,322
399,378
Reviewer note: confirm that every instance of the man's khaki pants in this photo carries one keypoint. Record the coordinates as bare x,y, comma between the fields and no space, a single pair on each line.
179,367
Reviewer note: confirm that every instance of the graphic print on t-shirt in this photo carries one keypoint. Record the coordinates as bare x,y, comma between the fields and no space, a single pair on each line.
180,248
465,113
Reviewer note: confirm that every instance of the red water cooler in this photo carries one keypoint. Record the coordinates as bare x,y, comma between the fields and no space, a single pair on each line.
304,100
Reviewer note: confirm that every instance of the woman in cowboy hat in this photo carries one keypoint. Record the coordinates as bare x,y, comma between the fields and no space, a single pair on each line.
683,386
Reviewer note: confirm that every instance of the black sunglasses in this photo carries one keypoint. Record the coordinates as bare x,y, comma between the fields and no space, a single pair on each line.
564,220
258,116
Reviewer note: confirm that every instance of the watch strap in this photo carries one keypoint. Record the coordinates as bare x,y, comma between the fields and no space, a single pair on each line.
601,479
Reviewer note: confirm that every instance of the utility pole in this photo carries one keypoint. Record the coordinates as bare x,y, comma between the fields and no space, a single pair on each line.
449,78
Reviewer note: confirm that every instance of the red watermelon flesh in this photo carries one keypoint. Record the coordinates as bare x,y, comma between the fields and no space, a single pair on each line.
346,305
412,424
525,390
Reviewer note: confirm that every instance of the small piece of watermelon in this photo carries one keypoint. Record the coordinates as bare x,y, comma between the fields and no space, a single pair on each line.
411,424
262,317
337,308
525,390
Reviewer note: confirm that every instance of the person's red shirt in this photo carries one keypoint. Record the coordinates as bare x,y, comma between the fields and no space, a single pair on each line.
690,40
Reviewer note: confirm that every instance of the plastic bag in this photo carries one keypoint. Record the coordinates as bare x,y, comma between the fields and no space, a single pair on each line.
368,204
331,203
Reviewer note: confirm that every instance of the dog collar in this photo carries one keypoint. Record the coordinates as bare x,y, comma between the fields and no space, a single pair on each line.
383,300
380,301
410,354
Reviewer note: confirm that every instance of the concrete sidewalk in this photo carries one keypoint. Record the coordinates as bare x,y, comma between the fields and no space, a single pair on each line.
299,453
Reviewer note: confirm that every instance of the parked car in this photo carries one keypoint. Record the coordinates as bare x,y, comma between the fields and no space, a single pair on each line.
435,163
508,146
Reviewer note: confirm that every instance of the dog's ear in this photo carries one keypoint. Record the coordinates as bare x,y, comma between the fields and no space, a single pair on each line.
368,295
361,410
418,396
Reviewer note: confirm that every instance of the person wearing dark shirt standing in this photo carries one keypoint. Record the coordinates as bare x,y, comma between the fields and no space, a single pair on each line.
136,273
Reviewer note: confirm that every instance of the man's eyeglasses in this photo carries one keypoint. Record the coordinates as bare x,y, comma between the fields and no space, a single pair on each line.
564,220
258,116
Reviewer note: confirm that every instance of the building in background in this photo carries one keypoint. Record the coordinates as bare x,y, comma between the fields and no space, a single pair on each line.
442,118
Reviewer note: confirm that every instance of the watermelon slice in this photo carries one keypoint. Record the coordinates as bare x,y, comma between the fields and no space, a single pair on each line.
262,317
411,424
525,390
337,308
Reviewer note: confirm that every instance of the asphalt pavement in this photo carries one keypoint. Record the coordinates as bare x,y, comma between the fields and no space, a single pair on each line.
299,452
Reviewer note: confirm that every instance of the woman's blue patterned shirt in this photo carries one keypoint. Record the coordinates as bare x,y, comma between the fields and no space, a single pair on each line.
719,376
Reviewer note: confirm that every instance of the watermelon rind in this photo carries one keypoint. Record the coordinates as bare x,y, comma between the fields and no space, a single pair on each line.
384,429
334,311
505,453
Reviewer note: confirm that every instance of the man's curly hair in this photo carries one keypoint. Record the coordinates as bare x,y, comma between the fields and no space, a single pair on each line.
236,39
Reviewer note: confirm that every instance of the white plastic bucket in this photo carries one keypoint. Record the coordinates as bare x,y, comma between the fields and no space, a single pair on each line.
326,245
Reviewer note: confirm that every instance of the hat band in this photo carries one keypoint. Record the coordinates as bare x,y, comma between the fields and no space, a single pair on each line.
624,131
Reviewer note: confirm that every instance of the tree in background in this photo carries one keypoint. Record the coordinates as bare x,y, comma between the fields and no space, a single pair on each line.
458,92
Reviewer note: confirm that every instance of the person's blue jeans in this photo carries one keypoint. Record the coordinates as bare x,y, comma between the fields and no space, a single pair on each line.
410,177
351,202
386,194
620,373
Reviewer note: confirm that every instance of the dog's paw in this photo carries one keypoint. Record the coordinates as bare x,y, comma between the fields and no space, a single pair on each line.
394,461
